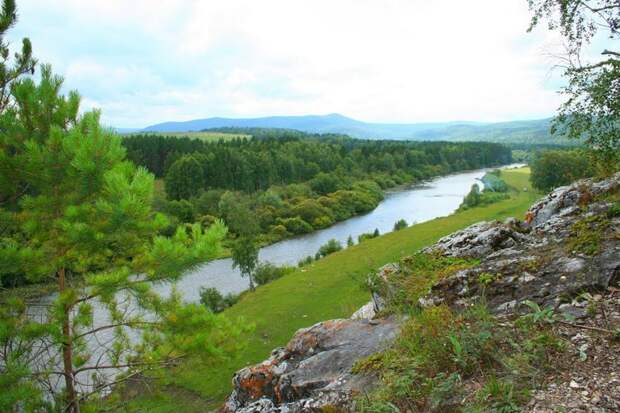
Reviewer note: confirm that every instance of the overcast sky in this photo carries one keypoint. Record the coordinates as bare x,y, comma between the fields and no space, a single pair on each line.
145,61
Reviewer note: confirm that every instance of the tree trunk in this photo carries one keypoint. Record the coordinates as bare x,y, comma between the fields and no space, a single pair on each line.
251,282
67,351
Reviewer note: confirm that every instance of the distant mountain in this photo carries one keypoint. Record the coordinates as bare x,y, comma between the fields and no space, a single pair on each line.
532,131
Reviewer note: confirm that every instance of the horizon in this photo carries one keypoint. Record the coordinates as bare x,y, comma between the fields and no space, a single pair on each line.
457,121
249,60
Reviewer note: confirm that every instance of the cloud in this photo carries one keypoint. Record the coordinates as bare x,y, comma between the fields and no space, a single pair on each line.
144,62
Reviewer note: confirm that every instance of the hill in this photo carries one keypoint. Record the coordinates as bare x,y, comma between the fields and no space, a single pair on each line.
529,131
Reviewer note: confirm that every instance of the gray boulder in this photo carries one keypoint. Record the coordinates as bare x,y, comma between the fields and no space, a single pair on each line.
314,369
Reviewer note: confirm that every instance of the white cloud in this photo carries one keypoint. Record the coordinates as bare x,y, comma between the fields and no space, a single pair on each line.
392,60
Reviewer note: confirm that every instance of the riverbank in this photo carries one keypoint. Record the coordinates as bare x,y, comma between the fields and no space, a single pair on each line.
330,288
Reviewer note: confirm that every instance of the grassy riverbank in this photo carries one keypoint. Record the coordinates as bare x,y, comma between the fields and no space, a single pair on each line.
329,288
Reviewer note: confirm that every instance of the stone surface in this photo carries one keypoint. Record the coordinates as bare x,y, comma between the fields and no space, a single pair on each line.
314,369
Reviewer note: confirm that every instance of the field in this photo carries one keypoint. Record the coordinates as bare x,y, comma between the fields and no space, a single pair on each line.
330,288
205,136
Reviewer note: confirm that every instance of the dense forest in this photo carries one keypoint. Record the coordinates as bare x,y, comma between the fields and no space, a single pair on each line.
293,182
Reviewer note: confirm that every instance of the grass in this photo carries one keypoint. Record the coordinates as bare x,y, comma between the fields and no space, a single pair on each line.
205,136
329,288
472,360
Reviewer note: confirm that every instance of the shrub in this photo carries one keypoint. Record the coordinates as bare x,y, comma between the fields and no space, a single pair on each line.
472,199
368,235
310,210
554,168
214,301
181,210
400,224
350,242
324,183
305,261
278,231
295,225
493,183
266,272
329,248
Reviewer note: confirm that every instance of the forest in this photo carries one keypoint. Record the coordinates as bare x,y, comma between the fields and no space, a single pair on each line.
292,181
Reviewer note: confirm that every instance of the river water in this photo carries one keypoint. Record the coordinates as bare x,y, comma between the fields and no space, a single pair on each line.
417,203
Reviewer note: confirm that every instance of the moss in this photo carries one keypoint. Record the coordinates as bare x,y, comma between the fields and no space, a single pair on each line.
587,235
614,210
418,273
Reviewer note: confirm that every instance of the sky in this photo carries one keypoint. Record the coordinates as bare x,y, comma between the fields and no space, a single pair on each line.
143,62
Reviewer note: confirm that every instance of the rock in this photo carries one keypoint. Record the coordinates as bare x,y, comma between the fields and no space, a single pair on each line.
478,240
367,311
534,265
314,369
569,197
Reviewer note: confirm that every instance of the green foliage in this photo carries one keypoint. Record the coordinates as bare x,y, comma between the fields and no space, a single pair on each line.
329,248
592,108
236,209
245,257
184,178
417,274
295,225
305,261
587,234
472,199
400,224
493,182
438,351
182,210
495,190
215,301
266,272
367,235
554,168
614,210
350,241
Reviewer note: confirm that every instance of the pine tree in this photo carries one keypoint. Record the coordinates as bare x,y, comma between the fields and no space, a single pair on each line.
77,215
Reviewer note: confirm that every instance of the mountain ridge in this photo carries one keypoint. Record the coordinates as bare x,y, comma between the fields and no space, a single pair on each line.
530,131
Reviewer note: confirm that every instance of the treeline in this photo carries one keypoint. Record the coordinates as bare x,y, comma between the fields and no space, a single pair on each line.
293,183
258,163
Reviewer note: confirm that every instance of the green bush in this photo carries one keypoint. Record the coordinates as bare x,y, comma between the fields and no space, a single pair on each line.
305,261
400,224
266,272
554,168
368,235
329,248
214,301
493,183
182,210
295,225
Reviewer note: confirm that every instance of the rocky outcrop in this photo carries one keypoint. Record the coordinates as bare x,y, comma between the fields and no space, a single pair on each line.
314,369
534,261
542,259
